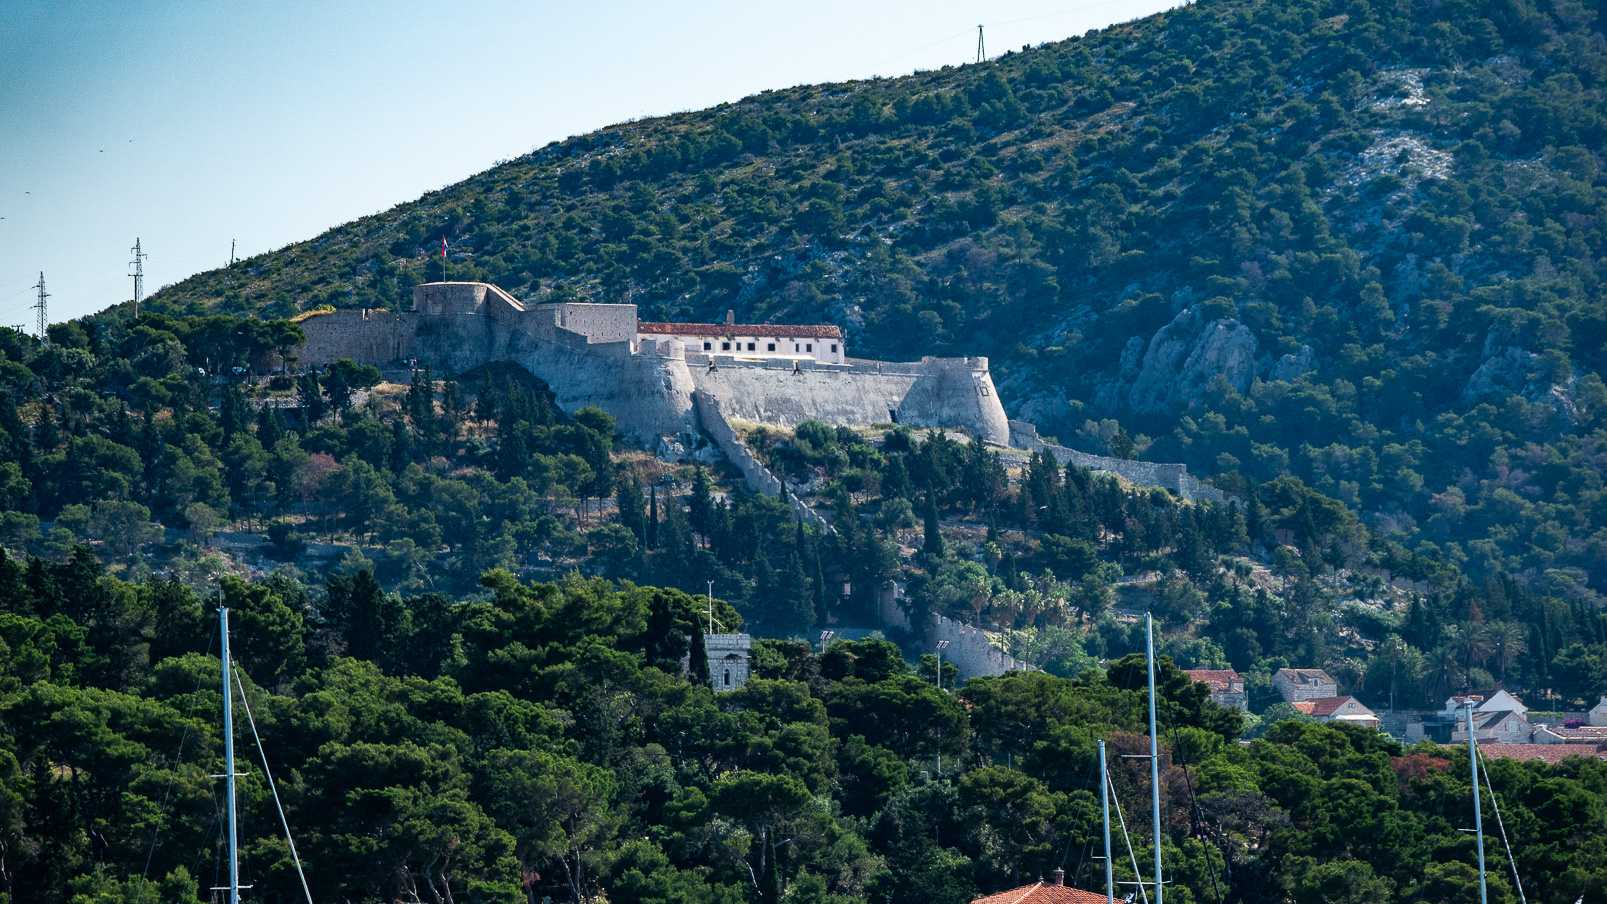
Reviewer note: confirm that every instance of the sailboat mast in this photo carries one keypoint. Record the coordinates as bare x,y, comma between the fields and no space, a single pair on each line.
1104,805
1478,811
1154,755
228,759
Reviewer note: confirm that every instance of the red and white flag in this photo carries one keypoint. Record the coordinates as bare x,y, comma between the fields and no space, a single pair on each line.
443,246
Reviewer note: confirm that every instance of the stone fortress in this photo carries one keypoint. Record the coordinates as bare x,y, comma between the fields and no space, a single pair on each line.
669,383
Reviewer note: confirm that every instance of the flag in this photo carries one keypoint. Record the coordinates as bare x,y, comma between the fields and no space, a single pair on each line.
443,246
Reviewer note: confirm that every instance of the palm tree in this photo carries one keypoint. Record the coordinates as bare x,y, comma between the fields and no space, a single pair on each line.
1444,673
1506,643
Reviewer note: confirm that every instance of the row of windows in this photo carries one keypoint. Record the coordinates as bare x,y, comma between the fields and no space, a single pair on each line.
726,346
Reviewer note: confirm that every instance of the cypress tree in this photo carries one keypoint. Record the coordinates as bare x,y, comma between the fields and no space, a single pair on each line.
934,537
701,509
819,587
652,518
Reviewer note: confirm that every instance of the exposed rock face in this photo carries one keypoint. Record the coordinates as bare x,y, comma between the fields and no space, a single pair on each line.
1290,368
1506,372
1186,355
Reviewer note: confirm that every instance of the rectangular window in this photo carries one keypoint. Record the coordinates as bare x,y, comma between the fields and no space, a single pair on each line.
795,346
834,348
708,346
772,346
809,346
725,346
750,346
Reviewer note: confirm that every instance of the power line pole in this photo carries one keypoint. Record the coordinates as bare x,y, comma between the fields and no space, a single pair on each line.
138,263
44,318
231,252
981,50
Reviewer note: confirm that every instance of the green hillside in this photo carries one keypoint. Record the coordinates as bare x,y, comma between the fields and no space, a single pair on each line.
1404,200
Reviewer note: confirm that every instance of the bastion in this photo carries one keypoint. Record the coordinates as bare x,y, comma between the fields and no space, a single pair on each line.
647,375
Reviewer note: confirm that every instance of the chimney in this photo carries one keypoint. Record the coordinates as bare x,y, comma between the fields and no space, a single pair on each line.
1060,877
730,317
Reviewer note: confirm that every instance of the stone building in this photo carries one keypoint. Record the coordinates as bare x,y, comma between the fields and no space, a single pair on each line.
730,660
1297,685
1227,688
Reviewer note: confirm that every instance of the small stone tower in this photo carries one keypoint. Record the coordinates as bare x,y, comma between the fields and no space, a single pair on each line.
728,659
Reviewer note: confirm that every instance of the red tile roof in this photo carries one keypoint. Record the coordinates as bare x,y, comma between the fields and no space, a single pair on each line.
778,330
1552,754
1043,893
1327,706
1218,679
1306,676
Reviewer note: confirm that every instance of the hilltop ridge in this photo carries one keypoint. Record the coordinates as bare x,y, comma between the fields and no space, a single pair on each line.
1353,243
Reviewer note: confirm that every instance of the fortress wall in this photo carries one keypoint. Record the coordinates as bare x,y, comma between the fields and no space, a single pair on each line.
450,298
365,336
650,395
598,322
1174,477
759,477
957,392
935,392
970,649
775,392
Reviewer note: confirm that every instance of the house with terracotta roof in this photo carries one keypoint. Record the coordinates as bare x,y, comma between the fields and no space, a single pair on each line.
1338,709
1227,688
1055,891
1295,685
822,343
1562,734
1550,754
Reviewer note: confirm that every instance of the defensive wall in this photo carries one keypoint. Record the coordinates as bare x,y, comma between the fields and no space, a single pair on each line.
970,649
1174,477
753,470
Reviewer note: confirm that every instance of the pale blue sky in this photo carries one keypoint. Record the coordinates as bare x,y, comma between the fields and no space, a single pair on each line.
189,123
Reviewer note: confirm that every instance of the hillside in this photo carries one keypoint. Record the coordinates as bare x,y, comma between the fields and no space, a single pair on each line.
1379,226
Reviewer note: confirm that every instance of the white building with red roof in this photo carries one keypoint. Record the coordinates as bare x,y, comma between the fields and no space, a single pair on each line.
1338,709
822,343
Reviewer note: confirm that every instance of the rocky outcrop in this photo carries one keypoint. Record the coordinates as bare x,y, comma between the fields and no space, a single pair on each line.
1507,371
1186,355
1290,368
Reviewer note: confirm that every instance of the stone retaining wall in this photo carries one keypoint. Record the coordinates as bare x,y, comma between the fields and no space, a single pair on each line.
714,423
1174,477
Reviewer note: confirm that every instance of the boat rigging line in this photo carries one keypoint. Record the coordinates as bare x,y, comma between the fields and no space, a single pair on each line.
263,755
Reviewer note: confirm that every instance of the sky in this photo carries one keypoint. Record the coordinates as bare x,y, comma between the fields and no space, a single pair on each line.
194,124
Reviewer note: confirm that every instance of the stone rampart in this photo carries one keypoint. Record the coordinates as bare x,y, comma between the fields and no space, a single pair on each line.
970,649
1174,477
933,392
759,477
366,336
